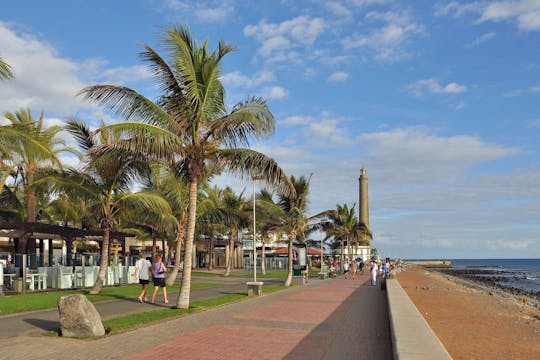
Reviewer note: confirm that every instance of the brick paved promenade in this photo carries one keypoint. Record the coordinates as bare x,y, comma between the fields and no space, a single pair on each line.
330,319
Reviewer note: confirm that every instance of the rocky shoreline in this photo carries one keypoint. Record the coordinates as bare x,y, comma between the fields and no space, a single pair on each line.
492,281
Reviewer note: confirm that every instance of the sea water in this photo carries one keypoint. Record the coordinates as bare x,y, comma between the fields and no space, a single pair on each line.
522,273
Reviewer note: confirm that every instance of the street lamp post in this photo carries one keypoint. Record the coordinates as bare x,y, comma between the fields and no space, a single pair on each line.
255,178
322,247
322,251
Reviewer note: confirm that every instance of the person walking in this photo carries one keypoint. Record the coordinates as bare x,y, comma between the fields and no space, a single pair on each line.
353,269
346,269
142,274
374,272
158,274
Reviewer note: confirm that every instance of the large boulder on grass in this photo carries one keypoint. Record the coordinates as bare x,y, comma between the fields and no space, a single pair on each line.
79,317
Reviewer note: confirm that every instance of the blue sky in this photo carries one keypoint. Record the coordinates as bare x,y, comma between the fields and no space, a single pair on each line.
438,100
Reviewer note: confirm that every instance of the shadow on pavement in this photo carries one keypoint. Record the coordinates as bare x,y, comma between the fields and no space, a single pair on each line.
46,325
358,329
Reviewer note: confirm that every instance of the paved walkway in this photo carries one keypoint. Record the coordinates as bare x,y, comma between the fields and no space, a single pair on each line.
36,322
330,319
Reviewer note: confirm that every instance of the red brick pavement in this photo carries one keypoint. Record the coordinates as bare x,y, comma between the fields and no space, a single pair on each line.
282,328
226,342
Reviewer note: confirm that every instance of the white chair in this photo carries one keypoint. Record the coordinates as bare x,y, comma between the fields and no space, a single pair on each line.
66,277
42,278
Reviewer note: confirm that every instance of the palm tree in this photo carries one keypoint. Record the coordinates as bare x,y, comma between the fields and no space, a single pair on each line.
5,70
271,220
295,206
107,179
33,154
172,186
237,217
189,122
343,227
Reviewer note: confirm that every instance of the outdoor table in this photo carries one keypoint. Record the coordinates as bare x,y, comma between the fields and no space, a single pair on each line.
33,277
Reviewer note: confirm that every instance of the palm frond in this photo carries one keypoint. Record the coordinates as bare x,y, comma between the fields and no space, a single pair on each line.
250,163
127,103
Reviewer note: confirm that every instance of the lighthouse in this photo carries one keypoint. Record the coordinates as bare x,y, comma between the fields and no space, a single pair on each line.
363,205
364,251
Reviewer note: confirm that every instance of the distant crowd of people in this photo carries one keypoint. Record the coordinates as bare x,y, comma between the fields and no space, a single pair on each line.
378,269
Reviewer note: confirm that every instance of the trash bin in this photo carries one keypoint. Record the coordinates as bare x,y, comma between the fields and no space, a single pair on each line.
297,271
324,272
18,285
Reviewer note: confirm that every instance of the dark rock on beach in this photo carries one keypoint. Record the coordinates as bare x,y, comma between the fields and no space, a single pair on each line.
491,279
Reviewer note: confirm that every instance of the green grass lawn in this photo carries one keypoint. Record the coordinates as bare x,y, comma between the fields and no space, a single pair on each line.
134,320
273,274
49,299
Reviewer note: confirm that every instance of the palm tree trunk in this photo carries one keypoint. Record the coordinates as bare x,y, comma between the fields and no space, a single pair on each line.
211,253
263,256
154,242
31,206
177,258
288,281
165,260
104,262
183,296
232,240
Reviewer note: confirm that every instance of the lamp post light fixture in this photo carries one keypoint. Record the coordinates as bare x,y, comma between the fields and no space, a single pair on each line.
255,178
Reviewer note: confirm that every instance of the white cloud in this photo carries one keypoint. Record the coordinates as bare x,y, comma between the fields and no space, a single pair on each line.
457,9
237,79
44,80
519,92
432,85
386,41
362,3
276,38
296,120
274,44
338,76
274,92
338,8
482,39
525,13
124,75
203,10
418,155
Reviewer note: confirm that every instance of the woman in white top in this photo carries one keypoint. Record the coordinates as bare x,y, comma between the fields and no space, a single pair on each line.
374,272
142,274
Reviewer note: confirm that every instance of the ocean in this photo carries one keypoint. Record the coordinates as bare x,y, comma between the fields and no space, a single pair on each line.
518,273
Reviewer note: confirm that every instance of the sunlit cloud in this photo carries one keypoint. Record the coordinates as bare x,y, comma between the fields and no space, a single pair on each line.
338,76
432,85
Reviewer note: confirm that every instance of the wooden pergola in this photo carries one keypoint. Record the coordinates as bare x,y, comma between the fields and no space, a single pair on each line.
26,236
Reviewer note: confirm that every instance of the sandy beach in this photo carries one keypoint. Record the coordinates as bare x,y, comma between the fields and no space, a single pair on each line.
474,322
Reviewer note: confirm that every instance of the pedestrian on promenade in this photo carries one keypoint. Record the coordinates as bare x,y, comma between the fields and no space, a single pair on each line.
346,269
384,269
158,274
142,274
374,272
353,269
362,265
